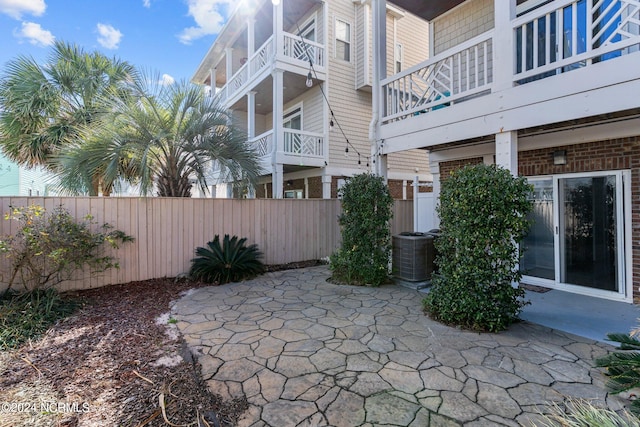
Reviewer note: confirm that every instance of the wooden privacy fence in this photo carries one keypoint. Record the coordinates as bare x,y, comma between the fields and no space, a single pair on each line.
167,230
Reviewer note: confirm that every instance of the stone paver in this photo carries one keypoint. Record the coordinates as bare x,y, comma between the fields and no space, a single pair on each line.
306,352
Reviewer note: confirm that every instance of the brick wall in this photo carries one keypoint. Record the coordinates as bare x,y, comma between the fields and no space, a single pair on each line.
447,168
615,154
623,153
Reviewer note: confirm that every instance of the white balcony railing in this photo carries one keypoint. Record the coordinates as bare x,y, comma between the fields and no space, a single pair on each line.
303,144
263,144
455,74
293,50
561,36
566,35
297,49
296,143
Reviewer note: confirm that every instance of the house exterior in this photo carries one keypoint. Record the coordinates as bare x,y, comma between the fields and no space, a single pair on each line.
551,91
297,76
19,181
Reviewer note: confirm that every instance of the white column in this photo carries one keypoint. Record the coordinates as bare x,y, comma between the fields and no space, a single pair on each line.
434,168
503,44
212,76
306,188
277,181
229,54
278,131
278,36
326,186
251,114
404,189
251,39
379,17
507,151
416,190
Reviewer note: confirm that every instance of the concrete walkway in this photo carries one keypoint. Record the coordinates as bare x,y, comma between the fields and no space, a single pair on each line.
309,353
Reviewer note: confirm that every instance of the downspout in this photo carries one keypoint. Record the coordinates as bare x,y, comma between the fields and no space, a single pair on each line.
379,29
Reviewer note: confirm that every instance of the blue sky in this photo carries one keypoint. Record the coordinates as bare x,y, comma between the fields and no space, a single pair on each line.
165,36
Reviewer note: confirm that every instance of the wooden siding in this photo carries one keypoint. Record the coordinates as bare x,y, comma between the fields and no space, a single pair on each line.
167,230
462,23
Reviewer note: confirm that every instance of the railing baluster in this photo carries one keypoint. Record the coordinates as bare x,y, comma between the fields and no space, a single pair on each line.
535,43
547,42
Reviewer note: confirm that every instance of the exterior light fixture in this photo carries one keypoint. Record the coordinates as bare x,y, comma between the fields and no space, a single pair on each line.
330,125
309,81
275,2
560,157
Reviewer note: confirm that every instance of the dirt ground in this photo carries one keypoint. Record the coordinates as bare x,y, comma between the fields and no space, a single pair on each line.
117,361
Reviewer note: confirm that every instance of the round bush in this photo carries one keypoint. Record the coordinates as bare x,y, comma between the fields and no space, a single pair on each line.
483,213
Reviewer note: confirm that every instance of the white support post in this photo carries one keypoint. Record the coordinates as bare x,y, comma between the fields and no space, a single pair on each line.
487,159
251,42
326,186
277,181
251,114
212,77
416,190
379,15
503,44
434,168
404,189
229,54
306,188
278,131
278,27
507,151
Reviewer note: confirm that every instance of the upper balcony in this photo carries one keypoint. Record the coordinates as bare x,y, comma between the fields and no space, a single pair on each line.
260,39
564,60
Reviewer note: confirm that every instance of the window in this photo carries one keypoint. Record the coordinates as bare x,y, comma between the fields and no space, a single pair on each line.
301,49
343,40
292,121
293,194
398,58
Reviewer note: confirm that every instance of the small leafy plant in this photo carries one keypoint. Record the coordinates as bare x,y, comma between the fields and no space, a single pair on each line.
367,208
51,247
483,213
26,316
230,261
623,367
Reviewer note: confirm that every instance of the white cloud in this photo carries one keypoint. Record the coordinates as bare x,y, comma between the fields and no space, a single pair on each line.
167,80
108,37
146,3
210,16
35,34
16,8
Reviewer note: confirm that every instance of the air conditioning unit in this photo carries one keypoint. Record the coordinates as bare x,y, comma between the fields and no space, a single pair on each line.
413,256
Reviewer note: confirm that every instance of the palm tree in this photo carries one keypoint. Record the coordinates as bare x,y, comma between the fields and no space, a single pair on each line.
163,138
43,107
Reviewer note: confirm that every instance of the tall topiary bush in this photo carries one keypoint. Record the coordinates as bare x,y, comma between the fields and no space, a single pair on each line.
483,213
363,258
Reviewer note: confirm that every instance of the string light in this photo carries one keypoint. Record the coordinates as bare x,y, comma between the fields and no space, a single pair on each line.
309,82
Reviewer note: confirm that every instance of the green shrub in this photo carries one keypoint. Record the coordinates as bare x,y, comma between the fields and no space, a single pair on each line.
623,367
230,262
363,258
26,316
49,248
483,211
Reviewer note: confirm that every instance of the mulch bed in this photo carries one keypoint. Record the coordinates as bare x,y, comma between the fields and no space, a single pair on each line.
106,357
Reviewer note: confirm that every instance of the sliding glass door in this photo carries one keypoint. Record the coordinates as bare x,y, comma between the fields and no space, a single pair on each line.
577,237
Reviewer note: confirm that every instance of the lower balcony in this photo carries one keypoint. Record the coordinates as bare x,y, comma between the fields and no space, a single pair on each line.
298,147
